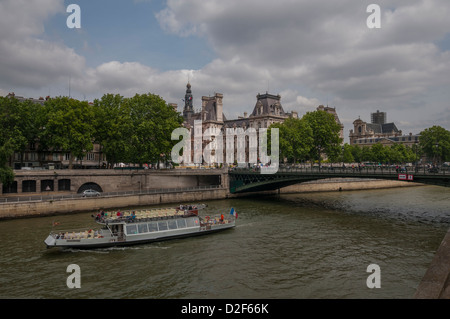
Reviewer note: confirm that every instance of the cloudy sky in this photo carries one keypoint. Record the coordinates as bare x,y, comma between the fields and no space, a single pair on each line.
310,52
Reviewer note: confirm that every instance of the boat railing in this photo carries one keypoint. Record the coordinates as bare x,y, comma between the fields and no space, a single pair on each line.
111,217
78,233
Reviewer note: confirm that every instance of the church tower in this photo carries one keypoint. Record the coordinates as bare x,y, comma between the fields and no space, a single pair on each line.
188,102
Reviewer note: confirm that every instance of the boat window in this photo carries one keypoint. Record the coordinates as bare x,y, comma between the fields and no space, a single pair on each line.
192,222
172,224
152,227
181,223
131,229
162,225
142,228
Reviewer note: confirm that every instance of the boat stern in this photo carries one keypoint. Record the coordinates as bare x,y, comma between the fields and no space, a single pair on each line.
50,241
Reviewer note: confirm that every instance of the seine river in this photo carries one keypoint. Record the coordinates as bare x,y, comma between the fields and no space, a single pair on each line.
296,246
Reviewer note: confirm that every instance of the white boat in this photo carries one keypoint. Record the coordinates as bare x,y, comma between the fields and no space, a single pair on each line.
137,227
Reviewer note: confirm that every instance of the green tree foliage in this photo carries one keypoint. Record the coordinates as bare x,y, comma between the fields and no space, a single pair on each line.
13,124
152,123
67,125
295,138
112,126
347,154
435,143
383,154
325,135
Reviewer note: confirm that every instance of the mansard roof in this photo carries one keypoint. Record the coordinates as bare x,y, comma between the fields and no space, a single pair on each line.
267,104
382,128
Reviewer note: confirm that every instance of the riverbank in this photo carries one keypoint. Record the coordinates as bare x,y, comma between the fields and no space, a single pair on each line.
344,184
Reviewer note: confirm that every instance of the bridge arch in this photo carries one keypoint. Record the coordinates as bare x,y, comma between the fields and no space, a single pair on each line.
242,181
90,185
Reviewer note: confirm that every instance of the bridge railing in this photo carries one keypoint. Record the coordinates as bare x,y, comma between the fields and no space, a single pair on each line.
354,170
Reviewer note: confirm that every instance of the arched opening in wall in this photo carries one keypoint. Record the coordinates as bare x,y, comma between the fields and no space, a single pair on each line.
87,186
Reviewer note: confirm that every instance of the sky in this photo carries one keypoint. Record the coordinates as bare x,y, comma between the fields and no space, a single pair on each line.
310,52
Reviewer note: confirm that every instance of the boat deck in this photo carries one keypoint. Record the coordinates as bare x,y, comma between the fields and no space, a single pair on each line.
112,217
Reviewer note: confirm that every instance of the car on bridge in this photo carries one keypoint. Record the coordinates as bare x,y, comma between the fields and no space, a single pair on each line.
91,193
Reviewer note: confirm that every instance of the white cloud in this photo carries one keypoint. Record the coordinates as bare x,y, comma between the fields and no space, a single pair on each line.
326,49
306,51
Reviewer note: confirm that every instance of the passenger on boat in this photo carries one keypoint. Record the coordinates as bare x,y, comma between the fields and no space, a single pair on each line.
221,218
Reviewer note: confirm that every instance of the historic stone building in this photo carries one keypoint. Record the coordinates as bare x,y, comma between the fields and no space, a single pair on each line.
267,110
377,129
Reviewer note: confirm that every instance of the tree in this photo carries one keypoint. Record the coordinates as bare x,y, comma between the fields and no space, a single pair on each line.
11,137
435,143
325,134
112,126
152,123
347,154
295,138
356,153
67,126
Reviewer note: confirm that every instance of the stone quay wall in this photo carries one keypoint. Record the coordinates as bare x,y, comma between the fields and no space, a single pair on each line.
39,208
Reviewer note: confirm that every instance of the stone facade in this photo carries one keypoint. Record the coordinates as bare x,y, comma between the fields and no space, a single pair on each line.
267,110
377,129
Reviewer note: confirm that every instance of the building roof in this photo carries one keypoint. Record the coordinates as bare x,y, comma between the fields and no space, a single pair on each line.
382,128
268,104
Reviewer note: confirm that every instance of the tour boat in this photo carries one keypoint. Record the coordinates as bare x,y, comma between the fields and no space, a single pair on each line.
144,226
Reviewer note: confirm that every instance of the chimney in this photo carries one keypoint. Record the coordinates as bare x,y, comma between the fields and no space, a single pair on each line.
219,106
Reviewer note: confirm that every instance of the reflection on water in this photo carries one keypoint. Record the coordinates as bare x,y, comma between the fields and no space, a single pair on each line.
315,245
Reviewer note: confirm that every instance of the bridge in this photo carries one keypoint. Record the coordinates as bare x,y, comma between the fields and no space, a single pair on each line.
251,180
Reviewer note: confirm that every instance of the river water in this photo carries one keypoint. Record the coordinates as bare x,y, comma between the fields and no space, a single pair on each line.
296,246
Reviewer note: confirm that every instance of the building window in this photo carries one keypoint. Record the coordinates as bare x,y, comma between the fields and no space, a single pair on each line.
29,186
47,185
55,156
64,185
67,157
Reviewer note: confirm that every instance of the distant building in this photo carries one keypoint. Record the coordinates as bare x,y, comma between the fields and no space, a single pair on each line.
378,117
377,129
41,100
407,140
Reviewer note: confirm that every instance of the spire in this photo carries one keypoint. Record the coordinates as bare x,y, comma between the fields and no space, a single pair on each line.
188,101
